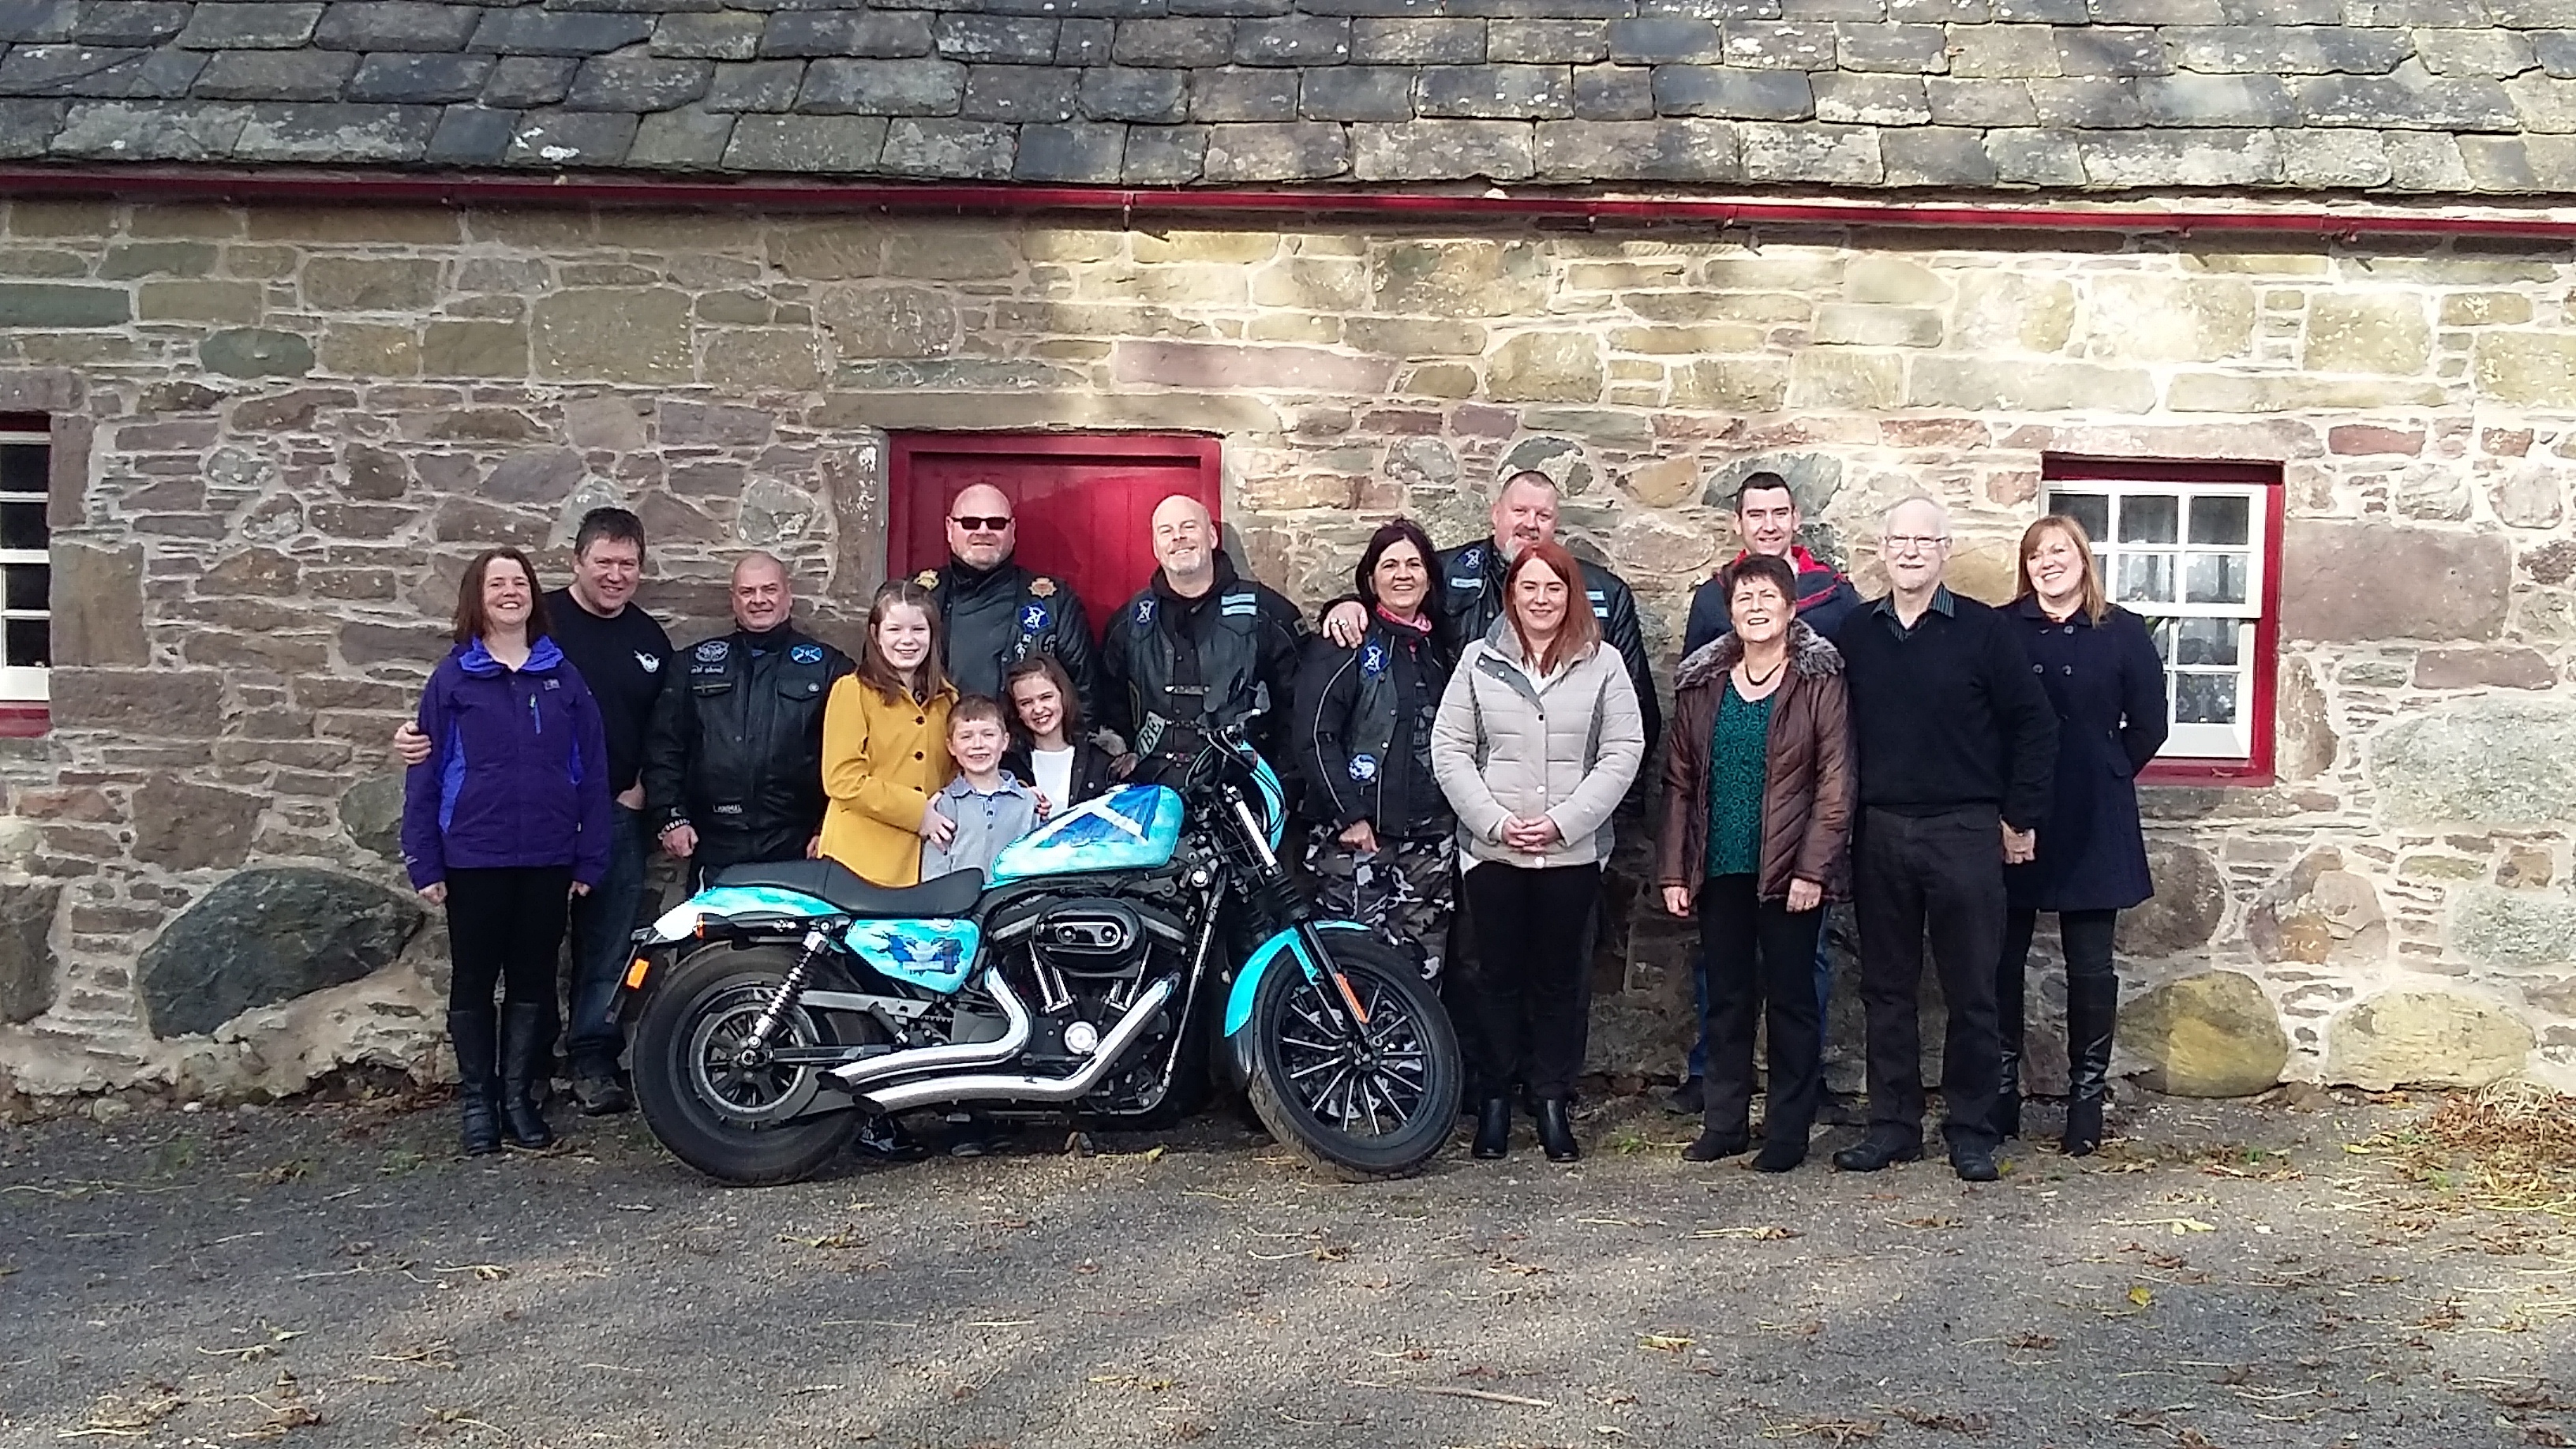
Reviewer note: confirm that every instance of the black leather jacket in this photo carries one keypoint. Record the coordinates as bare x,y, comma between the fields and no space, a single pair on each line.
736,746
1172,667
994,618
1361,731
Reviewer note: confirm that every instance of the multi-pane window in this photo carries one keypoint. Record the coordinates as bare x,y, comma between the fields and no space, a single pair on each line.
26,576
2192,549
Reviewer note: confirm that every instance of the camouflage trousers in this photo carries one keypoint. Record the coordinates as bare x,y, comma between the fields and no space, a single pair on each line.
1405,890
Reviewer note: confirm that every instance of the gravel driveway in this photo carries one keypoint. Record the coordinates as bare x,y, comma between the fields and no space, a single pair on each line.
331,1274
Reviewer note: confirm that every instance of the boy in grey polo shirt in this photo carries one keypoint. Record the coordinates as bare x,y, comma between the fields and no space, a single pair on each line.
991,809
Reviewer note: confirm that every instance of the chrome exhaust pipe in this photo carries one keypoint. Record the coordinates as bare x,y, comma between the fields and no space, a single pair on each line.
1013,1040
909,1096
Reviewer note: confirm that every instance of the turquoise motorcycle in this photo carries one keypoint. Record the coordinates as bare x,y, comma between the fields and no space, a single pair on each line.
1110,959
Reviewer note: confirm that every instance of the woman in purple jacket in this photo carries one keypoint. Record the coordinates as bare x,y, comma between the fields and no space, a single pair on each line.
503,824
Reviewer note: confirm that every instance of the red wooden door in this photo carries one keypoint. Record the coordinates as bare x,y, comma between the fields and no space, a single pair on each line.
1084,502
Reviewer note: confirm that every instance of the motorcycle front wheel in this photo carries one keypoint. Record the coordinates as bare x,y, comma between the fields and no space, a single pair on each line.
732,1117
1361,1107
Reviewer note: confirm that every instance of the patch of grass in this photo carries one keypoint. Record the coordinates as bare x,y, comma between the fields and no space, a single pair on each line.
2508,1148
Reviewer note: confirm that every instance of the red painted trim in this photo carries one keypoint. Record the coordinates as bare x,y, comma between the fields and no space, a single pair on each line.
775,194
25,721
2257,768
1203,452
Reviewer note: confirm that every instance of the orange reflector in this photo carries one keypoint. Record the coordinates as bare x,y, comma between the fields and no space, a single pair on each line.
1350,999
701,931
635,974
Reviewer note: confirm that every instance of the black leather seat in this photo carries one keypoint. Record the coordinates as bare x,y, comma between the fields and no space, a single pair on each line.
953,894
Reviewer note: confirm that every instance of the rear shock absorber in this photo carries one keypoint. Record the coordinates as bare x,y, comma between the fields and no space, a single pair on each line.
766,1025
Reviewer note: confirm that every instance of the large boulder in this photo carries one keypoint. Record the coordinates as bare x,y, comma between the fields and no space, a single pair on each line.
27,950
2482,761
2425,1038
266,936
2211,1035
2190,900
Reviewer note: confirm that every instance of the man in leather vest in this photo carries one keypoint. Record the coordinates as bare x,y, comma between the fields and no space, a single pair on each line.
1197,648
997,613
733,767
1467,590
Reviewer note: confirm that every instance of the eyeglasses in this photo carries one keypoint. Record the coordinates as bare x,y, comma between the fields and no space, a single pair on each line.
972,524
1911,543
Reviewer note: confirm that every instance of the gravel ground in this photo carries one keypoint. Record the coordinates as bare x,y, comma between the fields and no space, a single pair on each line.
332,1274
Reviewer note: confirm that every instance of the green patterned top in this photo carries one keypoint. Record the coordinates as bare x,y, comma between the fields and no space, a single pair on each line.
1738,750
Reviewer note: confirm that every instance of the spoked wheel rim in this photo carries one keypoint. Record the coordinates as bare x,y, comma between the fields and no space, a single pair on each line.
736,1082
1369,1085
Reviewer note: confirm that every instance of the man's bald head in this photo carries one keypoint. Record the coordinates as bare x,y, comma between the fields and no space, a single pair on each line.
1914,545
982,531
762,597
1185,544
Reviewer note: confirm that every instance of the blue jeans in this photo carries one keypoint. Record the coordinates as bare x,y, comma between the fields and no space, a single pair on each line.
1696,1064
603,929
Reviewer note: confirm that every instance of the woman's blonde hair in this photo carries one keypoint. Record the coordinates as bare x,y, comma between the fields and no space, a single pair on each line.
2096,603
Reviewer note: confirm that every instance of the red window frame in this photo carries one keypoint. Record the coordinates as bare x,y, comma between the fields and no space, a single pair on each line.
2257,768
26,719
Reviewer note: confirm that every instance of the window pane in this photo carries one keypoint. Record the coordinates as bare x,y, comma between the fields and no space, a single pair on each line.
2204,699
2220,518
30,642
2215,578
2205,641
2161,632
27,584
22,467
2148,517
2145,577
2090,509
22,525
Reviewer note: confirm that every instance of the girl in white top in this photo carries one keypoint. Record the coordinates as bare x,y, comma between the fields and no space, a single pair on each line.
1052,752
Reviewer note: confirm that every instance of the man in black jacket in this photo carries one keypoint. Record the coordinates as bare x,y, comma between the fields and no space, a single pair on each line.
997,613
1198,647
1467,590
733,767
1958,756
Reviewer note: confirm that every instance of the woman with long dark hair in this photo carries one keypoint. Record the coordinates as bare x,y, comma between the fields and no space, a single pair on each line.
1051,752
1383,850
885,742
503,824
2102,673
1537,738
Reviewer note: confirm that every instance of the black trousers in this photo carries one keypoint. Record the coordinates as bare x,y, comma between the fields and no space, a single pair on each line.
505,926
1529,992
1761,957
1946,872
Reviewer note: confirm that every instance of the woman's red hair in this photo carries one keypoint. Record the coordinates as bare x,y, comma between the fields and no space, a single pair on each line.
1581,631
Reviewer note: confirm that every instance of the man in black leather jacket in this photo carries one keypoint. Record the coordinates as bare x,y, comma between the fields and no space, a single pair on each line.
733,766
1198,647
997,613
1467,590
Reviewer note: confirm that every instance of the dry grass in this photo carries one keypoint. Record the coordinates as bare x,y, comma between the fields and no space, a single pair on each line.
2507,1148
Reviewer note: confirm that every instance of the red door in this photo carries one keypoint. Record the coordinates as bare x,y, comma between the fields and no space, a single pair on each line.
1085,502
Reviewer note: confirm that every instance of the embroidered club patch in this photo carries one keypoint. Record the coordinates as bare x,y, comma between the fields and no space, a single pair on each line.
649,663
1373,659
927,578
806,653
1145,610
1042,587
712,650
1363,768
1033,619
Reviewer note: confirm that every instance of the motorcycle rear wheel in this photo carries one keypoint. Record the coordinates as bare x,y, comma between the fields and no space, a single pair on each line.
706,1108
1357,1113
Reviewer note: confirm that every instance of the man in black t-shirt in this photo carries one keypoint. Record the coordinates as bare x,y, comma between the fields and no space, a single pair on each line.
622,655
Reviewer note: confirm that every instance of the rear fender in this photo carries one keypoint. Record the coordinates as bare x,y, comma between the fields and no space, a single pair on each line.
735,908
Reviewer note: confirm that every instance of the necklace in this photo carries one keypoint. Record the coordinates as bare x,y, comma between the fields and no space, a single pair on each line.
1750,682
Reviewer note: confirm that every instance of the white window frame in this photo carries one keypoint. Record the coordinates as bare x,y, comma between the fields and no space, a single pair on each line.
25,683
2234,741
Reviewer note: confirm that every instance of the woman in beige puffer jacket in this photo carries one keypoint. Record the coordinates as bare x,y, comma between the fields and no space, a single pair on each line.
1536,741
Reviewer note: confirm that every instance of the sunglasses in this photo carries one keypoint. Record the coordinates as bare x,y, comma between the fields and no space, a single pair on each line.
971,524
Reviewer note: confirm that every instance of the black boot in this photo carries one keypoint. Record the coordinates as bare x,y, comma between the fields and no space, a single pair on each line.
525,1032
470,1033
2092,1009
2005,1120
1556,1130
1493,1129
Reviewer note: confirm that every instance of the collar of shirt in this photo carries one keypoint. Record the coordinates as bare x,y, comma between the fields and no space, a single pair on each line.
1941,605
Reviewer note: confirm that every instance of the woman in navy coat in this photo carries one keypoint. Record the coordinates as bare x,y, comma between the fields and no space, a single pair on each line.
2102,673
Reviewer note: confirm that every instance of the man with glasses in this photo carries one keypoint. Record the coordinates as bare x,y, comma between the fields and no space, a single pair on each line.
1958,753
997,613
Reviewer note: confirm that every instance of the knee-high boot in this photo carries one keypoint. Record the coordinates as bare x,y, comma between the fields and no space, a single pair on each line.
527,1043
477,1089
2092,1009
2005,1119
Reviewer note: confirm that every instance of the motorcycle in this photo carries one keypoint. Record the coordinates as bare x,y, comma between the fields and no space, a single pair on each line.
1091,972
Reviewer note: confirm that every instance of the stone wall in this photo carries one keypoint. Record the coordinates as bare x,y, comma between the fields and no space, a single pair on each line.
280,432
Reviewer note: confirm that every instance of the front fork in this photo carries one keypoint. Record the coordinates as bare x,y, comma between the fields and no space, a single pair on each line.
1342,1005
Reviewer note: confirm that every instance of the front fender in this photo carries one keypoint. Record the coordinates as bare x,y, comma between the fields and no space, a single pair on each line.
1247,982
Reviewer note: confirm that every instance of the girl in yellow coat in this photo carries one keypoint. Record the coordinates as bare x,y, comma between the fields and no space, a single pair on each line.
885,742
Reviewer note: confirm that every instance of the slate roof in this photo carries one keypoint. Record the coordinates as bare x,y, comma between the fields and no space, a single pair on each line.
2397,96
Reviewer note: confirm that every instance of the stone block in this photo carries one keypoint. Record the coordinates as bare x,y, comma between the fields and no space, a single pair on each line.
1547,42
2331,589
889,321
1674,150
2138,317
997,39
1976,384
386,25
1817,153
2012,312
96,597
1546,367
1357,93
342,134
1160,97
472,136
2498,762
1614,92
1536,92
1083,152
1730,384
1188,43
27,965
1667,40
2512,929
2185,912
413,78
1287,369
1877,100
2532,495
881,34
710,35
349,284
2407,99
46,304
1831,378
181,826
2500,667
2368,332
1293,40
1018,93
28,127
370,350
2288,49
1234,93
255,352
2036,157
688,138
2491,51
2184,158
638,83
970,150
836,144
1460,278
532,31
612,335
129,22
1418,41
238,26
1442,150
2292,393
198,301
1296,151
371,812
2526,369
2425,1038
2211,1035
778,358
1907,49
759,85
2003,52
266,936
1085,42
1708,90
1868,326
